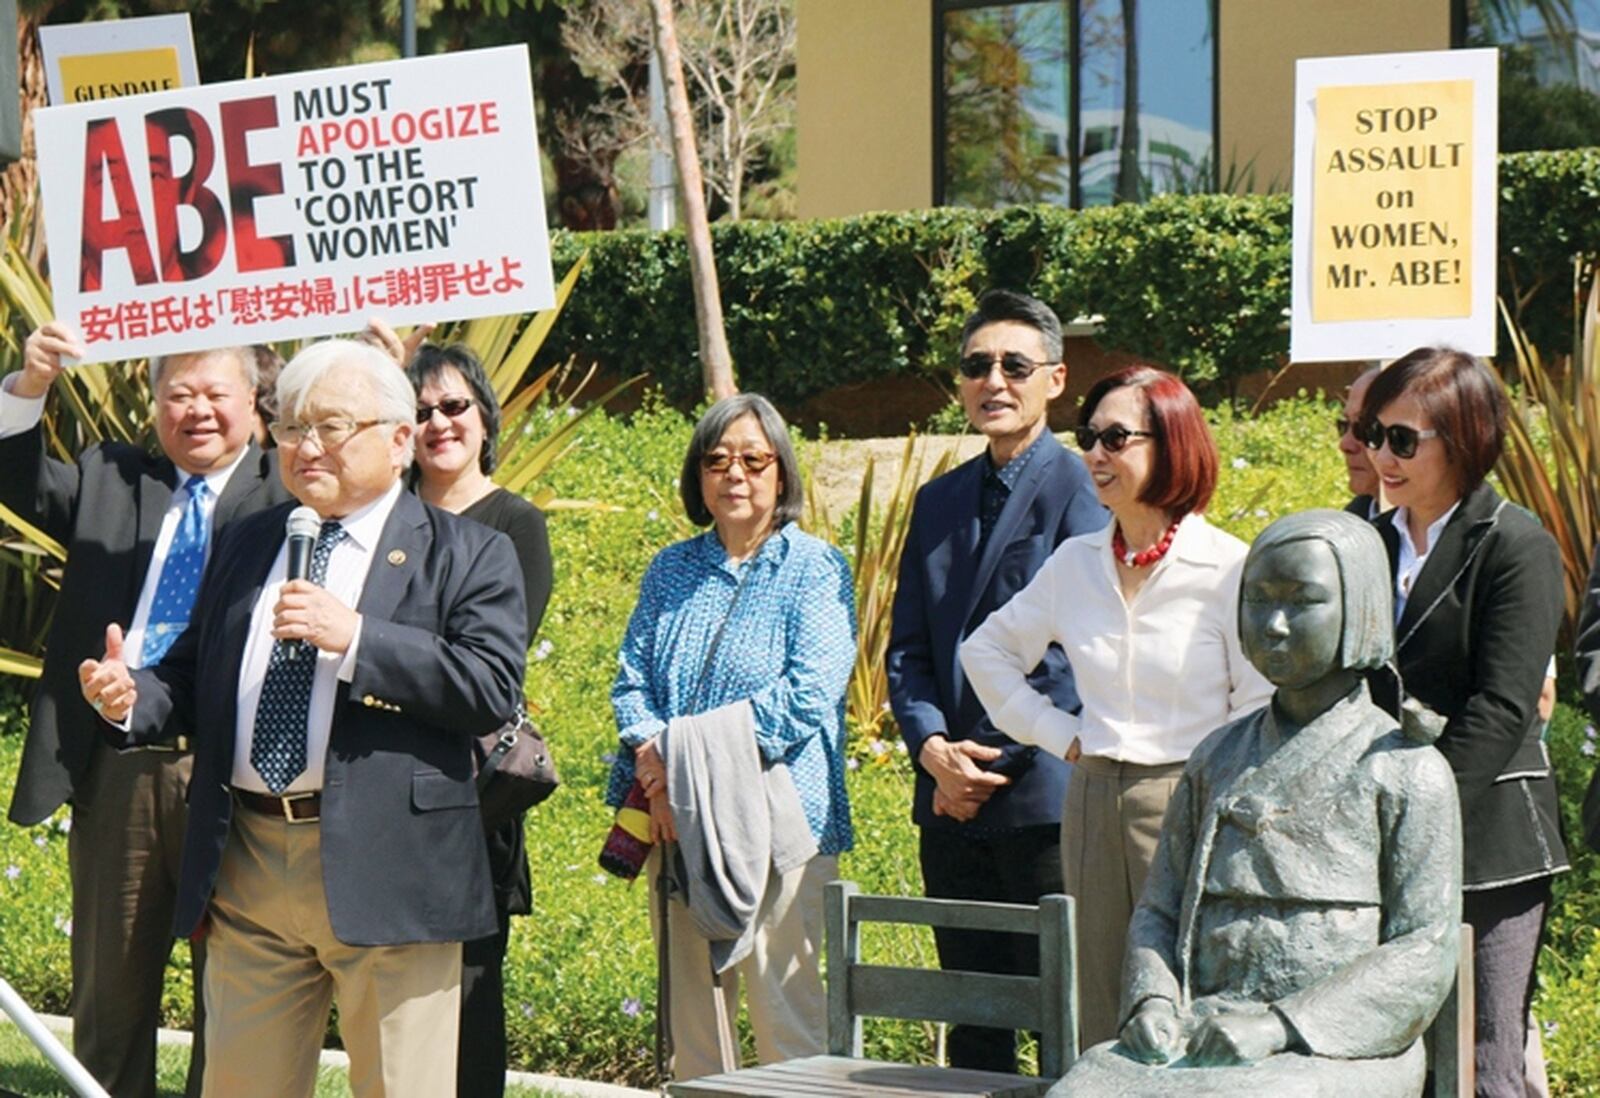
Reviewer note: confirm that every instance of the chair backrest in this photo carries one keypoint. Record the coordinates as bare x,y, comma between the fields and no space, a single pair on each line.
1450,1039
1047,1003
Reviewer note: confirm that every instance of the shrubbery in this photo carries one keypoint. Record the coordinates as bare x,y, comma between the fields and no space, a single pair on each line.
1199,283
580,980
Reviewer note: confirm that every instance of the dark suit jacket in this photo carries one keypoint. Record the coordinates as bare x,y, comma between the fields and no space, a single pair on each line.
440,660
1473,645
107,511
946,590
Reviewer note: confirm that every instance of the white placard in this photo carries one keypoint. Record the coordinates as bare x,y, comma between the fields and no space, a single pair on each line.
84,61
1394,204
296,206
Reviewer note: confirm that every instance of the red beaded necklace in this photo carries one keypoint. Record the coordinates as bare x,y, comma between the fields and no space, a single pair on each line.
1144,557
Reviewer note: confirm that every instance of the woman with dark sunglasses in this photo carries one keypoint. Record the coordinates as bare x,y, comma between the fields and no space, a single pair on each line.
458,424
1478,599
1145,611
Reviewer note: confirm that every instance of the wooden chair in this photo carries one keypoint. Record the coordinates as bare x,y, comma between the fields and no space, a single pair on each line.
1451,1038
1046,1003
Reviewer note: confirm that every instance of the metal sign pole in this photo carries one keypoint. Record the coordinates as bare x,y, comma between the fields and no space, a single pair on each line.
76,1075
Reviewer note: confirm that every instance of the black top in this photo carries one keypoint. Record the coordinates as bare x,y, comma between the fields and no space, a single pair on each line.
524,524
1473,645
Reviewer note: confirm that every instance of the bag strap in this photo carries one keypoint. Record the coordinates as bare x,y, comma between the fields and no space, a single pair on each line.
716,638
507,740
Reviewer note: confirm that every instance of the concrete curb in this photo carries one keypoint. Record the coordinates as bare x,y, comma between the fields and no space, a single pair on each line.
333,1057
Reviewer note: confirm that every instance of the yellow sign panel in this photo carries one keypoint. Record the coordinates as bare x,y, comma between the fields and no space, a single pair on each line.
87,76
1391,207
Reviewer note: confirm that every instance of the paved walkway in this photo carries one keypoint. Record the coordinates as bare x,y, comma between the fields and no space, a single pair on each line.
578,1088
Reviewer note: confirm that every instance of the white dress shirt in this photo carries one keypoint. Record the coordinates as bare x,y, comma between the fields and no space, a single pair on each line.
18,414
1409,562
1155,676
347,576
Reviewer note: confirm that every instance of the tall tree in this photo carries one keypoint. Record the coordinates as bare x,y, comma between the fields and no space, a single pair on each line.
738,56
716,362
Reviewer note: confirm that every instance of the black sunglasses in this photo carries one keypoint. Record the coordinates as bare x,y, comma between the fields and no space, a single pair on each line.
450,406
1402,440
1345,426
1112,438
1015,367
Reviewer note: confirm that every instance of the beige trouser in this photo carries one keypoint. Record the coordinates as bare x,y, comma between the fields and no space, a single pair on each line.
788,1010
1109,828
273,966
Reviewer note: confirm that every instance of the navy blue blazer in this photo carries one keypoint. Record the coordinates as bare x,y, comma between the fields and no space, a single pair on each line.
441,656
946,591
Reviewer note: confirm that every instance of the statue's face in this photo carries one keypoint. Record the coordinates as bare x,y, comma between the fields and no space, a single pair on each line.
1291,612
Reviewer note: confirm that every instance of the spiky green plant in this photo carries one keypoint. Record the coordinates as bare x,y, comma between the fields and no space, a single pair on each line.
1551,463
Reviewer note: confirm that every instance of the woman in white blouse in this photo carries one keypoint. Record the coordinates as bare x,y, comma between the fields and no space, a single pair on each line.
1146,611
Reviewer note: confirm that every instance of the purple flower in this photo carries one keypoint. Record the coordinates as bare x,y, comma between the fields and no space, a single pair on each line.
1588,732
632,1007
13,872
40,841
1587,747
527,1010
609,757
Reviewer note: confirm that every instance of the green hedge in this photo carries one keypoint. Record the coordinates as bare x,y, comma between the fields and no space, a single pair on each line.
1199,283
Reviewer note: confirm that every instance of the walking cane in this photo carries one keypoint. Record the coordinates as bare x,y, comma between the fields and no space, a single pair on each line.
668,853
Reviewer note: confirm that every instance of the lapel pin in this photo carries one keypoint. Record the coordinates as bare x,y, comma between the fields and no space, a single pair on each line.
397,556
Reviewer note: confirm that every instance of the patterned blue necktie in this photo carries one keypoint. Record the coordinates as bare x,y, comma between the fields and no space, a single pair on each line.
278,746
180,575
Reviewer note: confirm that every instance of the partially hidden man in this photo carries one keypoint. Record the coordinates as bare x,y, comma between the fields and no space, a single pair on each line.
988,808
138,528
334,844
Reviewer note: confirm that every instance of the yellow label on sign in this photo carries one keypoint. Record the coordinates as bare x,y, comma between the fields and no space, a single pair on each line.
1391,211
87,76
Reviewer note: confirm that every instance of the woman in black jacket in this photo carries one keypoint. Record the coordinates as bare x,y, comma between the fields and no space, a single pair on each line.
1478,601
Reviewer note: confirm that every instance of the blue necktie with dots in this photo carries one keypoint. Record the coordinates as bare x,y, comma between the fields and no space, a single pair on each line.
278,745
180,575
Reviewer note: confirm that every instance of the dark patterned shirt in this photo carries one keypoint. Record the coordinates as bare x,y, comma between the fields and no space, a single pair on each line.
997,486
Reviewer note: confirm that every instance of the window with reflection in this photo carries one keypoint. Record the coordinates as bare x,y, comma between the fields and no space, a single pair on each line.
1035,103
1549,69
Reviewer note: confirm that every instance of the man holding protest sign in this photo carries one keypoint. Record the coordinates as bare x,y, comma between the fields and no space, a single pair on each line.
137,530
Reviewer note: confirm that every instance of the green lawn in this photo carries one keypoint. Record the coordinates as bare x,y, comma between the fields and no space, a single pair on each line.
24,1070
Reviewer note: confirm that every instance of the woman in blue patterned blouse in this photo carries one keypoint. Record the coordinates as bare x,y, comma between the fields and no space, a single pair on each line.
753,610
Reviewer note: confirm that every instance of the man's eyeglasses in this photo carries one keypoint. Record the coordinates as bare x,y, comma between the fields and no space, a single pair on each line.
1402,440
1348,426
1015,367
1113,438
330,434
450,406
720,461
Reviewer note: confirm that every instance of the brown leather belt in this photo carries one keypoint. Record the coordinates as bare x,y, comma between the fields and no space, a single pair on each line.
294,807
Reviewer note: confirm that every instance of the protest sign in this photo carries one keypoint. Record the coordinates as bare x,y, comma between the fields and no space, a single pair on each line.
84,61
296,205
1394,215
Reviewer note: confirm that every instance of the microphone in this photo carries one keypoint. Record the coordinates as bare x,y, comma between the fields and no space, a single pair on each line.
302,526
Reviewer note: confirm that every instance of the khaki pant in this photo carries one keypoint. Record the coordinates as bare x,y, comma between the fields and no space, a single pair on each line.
128,817
1109,829
788,1010
273,966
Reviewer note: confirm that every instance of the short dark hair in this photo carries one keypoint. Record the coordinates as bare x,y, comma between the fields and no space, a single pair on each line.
1184,473
709,431
431,360
269,364
1462,399
997,305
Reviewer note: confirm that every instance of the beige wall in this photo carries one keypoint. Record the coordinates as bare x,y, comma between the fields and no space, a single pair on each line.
865,112
1260,41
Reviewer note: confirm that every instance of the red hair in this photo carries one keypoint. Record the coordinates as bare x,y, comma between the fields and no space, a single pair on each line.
1184,472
